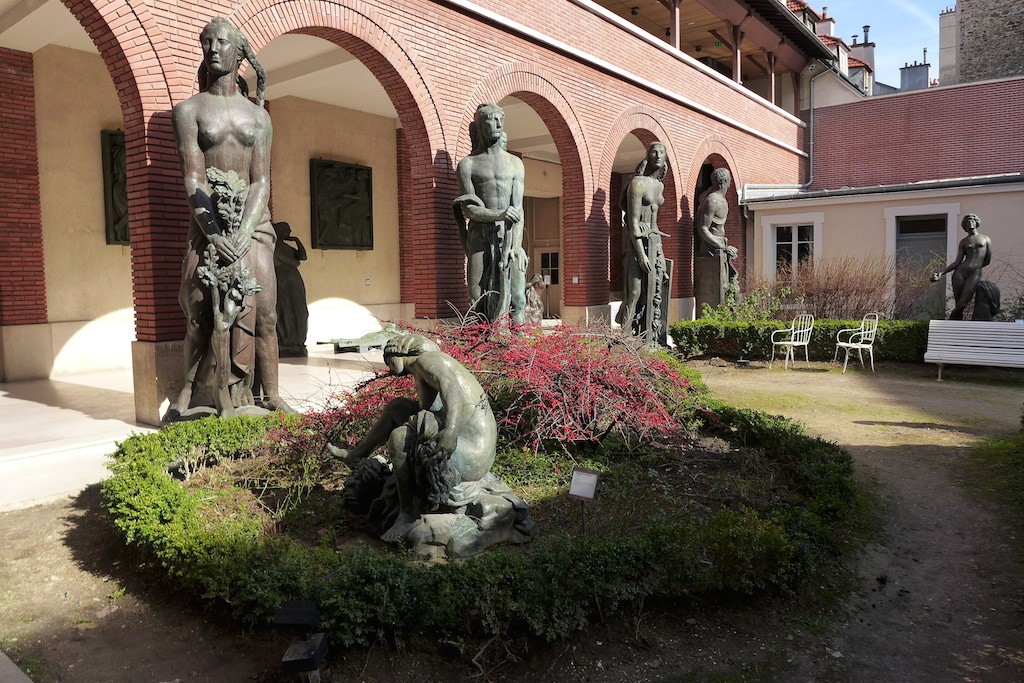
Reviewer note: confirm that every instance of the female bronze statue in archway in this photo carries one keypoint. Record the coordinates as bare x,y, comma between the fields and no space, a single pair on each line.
224,141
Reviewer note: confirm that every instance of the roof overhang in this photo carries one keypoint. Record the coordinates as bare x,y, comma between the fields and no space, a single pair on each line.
757,195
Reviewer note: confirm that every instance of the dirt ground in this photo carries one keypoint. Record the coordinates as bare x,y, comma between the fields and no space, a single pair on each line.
937,596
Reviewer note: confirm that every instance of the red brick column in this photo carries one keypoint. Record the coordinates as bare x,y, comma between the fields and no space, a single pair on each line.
141,63
22,278
406,230
615,234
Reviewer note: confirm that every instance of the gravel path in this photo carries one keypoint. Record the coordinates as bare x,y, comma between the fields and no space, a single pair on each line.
938,597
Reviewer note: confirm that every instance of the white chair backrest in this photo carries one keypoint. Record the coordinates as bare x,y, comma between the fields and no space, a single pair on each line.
868,327
802,326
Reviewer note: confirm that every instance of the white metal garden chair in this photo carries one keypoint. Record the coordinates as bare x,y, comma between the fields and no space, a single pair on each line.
797,334
860,338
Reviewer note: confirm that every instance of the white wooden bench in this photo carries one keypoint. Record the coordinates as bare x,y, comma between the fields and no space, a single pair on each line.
969,342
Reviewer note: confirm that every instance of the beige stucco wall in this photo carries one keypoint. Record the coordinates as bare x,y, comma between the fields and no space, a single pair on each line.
336,288
543,179
829,90
861,225
88,282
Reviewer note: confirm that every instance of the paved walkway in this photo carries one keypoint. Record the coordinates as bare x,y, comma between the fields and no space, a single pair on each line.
56,434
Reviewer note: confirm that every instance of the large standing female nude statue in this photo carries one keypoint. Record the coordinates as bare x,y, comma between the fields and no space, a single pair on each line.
973,254
221,128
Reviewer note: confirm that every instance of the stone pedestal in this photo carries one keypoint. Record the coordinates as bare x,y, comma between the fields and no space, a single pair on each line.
585,315
476,515
159,371
26,352
710,280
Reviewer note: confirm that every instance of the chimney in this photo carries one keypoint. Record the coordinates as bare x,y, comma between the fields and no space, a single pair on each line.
826,25
914,76
864,51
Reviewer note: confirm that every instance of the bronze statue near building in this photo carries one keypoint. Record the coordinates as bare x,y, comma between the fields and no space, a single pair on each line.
292,311
489,215
713,269
646,272
436,493
973,253
228,288
535,300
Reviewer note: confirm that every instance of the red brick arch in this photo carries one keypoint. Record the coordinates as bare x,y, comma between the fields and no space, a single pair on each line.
131,45
641,122
373,40
712,145
538,89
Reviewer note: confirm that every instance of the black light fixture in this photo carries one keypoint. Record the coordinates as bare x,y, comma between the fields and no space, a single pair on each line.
634,11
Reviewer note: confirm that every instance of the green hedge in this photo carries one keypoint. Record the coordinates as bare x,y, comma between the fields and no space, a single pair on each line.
551,588
896,340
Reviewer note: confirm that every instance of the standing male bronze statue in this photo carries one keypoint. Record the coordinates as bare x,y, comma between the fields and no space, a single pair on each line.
489,214
221,134
712,213
645,271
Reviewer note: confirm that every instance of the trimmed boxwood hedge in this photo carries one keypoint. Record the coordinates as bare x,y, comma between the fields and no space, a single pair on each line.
552,588
896,340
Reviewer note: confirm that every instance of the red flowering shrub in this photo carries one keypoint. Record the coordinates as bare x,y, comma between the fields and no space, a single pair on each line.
563,387
345,421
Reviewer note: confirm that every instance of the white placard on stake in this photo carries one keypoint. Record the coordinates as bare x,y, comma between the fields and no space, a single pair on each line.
583,485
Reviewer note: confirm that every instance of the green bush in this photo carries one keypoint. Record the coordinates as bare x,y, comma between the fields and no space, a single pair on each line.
551,588
896,340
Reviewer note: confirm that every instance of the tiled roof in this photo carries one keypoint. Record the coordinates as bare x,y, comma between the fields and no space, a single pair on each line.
796,6
832,41
854,63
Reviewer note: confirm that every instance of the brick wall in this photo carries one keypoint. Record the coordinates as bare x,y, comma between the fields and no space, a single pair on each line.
22,279
437,62
964,130
991,44
615,234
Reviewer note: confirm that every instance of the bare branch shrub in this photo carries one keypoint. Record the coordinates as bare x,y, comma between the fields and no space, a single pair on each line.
847,287
1010,278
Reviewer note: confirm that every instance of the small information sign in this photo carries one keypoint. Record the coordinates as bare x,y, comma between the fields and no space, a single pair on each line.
583,485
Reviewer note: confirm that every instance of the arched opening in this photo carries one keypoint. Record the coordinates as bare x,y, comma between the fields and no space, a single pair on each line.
72,119
629,153
530,140
335,162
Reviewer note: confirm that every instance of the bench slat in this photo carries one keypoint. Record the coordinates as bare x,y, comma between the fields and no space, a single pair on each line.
967,342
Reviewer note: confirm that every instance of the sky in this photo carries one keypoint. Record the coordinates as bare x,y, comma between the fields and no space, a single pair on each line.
900,30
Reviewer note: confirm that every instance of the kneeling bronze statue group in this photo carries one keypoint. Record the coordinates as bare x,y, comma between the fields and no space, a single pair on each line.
435,491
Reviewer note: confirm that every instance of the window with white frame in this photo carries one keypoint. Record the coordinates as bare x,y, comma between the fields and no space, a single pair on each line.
794,246
790,241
